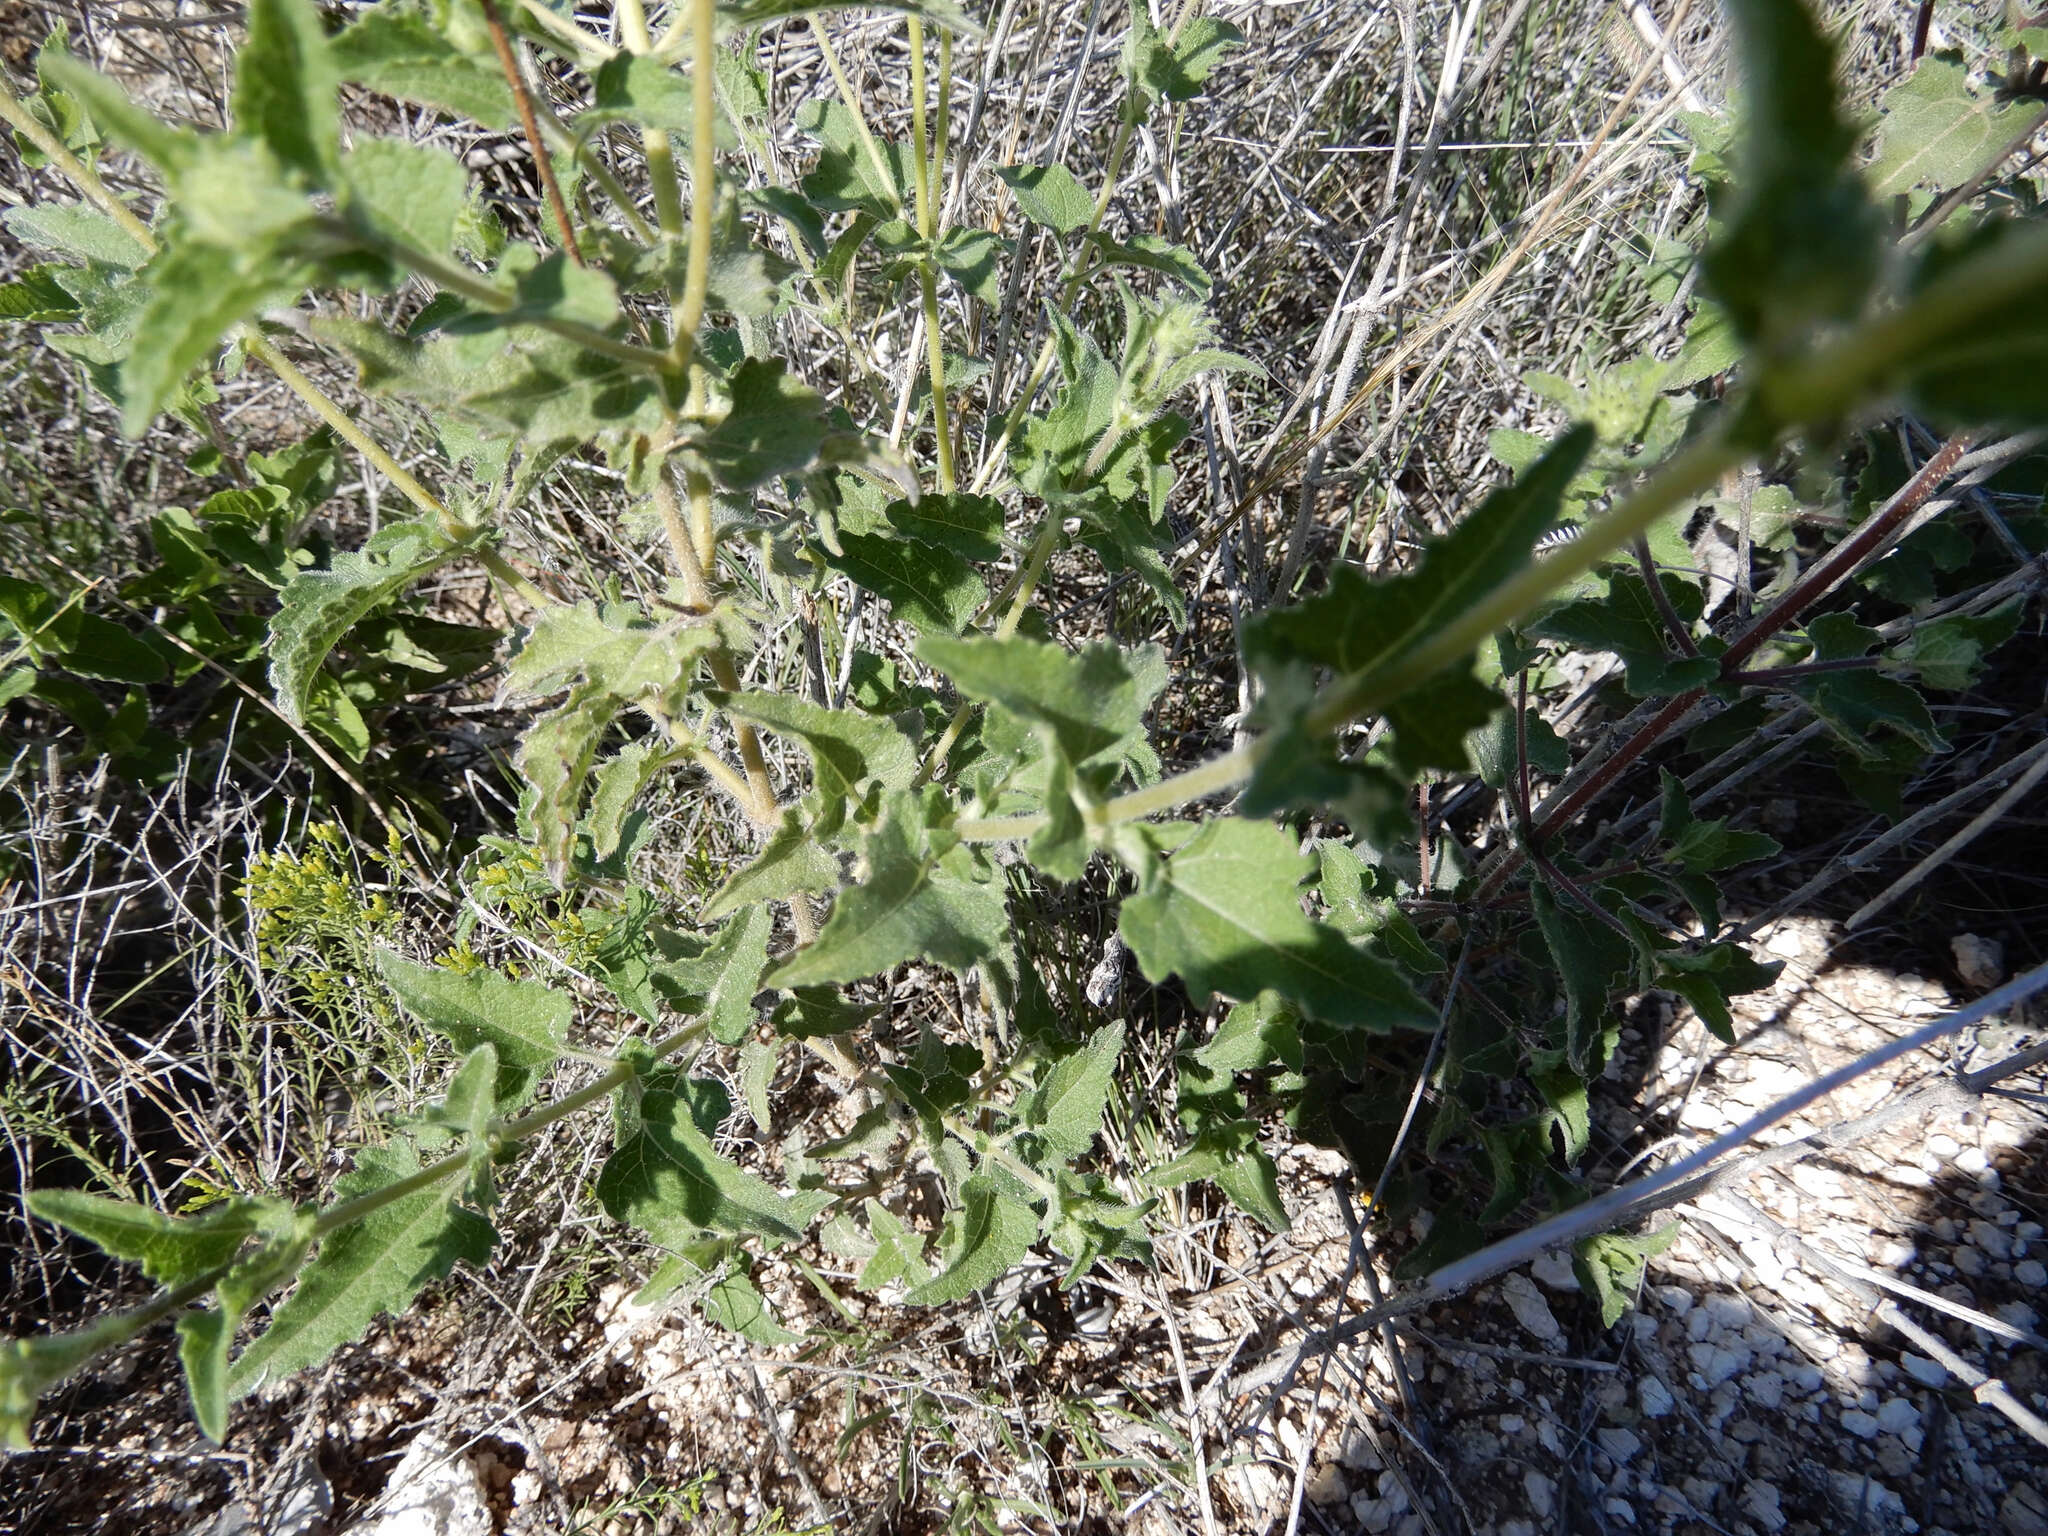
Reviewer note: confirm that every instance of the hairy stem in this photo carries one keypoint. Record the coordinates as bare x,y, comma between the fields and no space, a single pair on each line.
928,282
543,163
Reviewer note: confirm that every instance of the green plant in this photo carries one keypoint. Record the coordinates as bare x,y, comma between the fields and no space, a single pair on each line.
765,488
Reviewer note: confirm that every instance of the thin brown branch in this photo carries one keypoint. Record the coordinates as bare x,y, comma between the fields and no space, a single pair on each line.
516,79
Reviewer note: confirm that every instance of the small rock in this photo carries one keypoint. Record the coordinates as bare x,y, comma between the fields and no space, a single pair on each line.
1541,1492
1530,1309
1992,1238
1929,1373
1970,1262
1654,1398
1897,1416
1943,1146
1555,1271
1766,1389
1327,1484
1717,1363
2030,1273
1979,961
1620,1444
1760,1502
1862,1425
1729,1311
1620,1511
1676,1297
432,1493
1895,1254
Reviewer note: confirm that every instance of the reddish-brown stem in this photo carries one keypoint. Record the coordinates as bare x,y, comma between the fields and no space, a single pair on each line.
1840,563
1848,555
1662,598
1522,753
546,167
1579,898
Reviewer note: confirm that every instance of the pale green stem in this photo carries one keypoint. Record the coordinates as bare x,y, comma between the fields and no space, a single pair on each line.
661,167
345,426
848,95
928,283
943,123
513,578
590,49
703,190
82,175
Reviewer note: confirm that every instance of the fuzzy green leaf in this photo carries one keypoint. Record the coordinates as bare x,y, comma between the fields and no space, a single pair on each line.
736,1304
285,81
775,427
968,525
1948,653
928,586
970,257
1153,253
1229,1155
1049,195
526,1021
1610,1267
848,750
899,1251
1065,1110
1224,914
407,192
205,1337
1628,623
1153,67
1359,625
1590,958
1798,242
170,149
170,1249
317,608
718,985
1938,132
400,53
615,649
197,293
376,1265
669,1181
922,898
1705,847
1088,705
1857,705
76,230
549,390
790,862
992,1231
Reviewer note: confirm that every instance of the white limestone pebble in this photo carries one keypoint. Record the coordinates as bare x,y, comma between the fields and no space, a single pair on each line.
1530,1309
1897,1416
1929,1373
1654,1398
1620,1444
1863,1426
